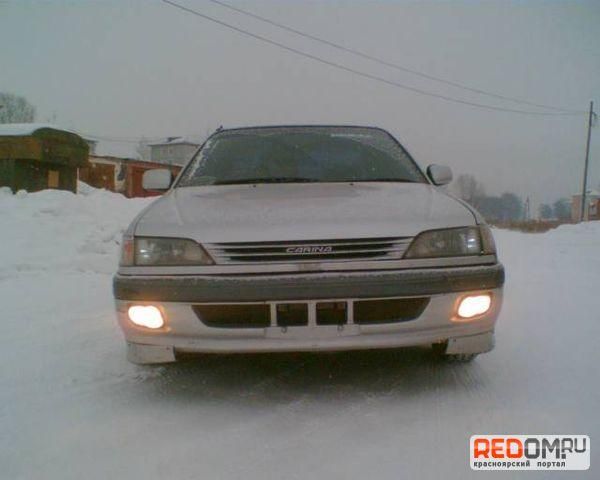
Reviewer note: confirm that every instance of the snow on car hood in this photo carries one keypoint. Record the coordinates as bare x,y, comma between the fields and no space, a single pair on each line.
273,212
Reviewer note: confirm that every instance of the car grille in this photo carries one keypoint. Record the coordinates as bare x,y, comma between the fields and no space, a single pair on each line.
388,248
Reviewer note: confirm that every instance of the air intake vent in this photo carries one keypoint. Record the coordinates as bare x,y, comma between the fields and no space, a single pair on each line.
234,316
388,310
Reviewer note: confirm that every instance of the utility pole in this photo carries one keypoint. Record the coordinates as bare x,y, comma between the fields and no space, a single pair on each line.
584,208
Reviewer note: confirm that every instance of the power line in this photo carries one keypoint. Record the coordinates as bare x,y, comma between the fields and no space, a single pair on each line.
390,64
359,72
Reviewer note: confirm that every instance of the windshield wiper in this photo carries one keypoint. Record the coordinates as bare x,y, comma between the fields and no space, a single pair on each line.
241,181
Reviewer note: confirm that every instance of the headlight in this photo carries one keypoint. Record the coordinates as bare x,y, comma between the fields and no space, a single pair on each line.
452,242
167,252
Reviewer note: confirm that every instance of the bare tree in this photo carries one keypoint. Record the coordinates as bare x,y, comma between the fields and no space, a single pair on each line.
546,211
468,188
562,209
15,109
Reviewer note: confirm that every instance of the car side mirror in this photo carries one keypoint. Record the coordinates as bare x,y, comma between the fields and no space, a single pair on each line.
439,174
157,179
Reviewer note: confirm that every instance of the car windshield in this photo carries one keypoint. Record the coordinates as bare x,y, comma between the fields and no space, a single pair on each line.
298,155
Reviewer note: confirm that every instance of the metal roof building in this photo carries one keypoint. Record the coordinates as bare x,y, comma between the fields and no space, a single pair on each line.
37,156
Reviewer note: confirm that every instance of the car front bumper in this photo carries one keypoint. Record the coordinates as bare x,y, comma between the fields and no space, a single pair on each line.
184,332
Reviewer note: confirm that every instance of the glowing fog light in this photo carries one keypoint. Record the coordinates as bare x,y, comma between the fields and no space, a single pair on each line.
474,305
146,316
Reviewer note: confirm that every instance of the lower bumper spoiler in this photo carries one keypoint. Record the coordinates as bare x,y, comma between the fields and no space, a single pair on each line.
149,354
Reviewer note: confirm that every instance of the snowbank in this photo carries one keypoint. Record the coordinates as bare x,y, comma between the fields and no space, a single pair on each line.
71,407
56,230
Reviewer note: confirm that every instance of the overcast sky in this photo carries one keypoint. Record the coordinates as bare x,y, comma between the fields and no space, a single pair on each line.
127,68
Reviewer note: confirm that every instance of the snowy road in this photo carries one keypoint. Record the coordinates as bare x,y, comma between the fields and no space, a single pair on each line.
71,407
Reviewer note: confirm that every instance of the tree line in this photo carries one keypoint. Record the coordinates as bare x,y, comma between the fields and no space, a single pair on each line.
15,109
506,207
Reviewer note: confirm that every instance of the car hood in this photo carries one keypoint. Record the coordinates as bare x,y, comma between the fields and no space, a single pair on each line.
274,212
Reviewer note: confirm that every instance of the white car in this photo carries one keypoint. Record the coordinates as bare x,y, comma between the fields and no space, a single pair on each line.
306,238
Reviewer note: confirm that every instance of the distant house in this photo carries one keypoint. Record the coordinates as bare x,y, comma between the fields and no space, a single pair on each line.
121,175
173,151
37,156
592,199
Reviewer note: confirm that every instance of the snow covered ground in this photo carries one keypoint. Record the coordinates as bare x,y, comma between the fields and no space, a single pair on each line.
72,407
